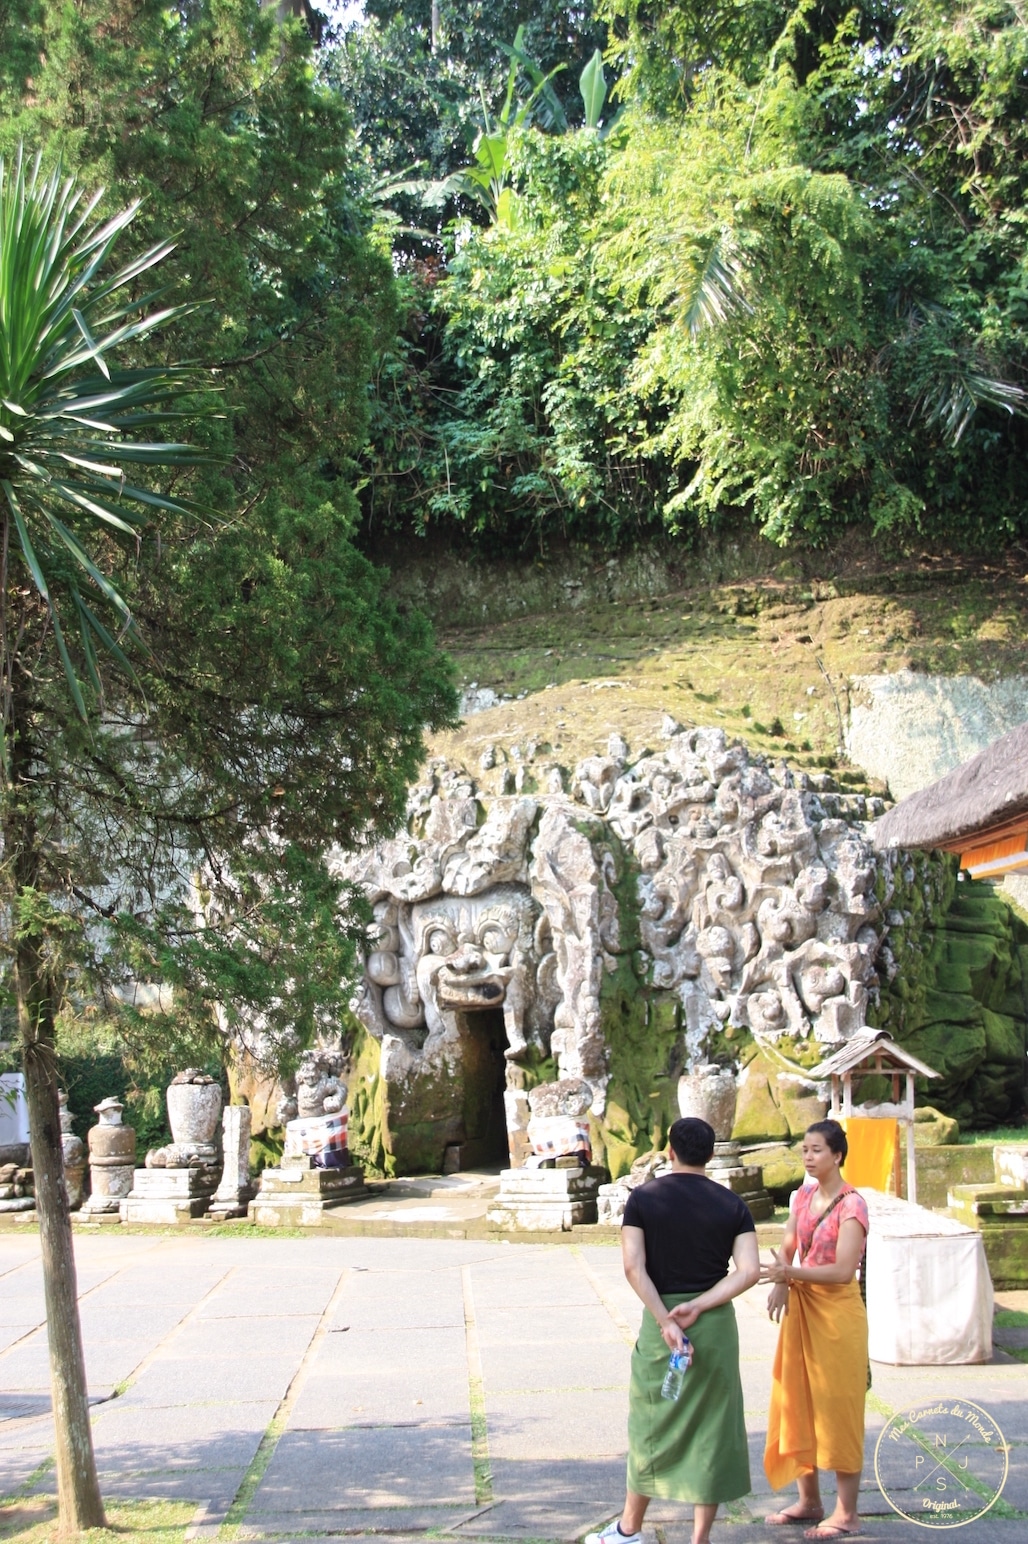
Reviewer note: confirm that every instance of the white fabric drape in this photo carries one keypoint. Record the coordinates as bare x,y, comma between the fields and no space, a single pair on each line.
929,1293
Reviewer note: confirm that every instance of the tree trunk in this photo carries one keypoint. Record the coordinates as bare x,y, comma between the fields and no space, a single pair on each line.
78,1491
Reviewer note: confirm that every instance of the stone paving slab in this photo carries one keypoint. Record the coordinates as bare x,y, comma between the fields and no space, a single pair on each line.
411,1299
10,1334
552,1499
331,1403
321,1349
585,1364
369,1467
174,1380
202,1340
551,1425
177,1437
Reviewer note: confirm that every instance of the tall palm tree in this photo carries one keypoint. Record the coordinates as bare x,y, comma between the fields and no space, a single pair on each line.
74,487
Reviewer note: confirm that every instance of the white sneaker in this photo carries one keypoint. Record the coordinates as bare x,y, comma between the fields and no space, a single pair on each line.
612,1535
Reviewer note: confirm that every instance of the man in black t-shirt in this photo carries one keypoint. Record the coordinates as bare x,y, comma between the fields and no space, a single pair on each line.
680,1234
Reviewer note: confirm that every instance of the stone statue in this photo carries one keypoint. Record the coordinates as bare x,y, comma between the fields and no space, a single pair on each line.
319,1090
74,1150
314,1117
710,1094
235,1192
179,1179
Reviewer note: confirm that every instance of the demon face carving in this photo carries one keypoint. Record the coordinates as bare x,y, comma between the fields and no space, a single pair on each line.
463,954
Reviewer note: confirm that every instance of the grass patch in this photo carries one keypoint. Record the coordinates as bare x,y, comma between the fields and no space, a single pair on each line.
1010,1319
33,1520
997,1134
762,657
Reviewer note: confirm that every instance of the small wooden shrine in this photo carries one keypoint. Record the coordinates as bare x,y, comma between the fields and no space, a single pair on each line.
979,810
874,1053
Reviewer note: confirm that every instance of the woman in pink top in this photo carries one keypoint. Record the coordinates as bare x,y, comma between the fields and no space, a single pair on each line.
816,1420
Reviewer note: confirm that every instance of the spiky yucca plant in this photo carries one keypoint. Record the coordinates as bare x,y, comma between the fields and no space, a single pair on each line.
73,421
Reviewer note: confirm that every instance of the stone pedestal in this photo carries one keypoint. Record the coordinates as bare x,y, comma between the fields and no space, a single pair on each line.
168,1197
546,1200
745,1179
112,1163
611,1201
299,1196
235,1191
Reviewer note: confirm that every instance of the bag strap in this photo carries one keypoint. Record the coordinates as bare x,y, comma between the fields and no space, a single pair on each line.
829,1209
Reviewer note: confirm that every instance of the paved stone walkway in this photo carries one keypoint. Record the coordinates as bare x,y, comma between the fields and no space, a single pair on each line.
362,1386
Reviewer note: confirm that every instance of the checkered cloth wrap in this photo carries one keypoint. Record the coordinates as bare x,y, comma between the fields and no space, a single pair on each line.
317,1135
557,1136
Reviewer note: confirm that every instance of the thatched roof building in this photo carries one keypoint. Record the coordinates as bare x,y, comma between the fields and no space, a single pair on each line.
979,810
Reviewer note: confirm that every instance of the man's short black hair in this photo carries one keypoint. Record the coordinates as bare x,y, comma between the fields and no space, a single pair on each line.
692,1141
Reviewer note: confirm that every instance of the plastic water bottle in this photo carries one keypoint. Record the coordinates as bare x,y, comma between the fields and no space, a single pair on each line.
677,1367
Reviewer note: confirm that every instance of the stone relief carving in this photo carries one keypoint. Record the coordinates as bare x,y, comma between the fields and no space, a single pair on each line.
754,905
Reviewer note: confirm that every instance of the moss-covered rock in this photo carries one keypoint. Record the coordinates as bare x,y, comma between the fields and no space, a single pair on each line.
758,1117
1004,1038
933,1129
783,1170
644,1033
954,1050
367,1126
799,1105
962,1008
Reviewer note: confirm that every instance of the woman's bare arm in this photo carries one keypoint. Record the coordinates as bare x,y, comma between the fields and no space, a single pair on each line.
848,1253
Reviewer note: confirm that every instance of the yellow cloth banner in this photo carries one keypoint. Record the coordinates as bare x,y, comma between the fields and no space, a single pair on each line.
873,1146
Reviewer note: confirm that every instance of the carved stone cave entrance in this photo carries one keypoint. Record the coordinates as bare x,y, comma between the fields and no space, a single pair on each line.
483,1037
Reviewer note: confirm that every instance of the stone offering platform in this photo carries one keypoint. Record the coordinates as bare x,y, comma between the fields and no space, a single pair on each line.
168,1197
336,1387
299,1195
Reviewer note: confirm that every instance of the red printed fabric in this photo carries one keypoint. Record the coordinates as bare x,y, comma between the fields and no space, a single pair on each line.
318,1134
818,1241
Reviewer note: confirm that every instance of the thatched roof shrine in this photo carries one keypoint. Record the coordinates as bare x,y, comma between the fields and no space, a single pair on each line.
979,810
870,1051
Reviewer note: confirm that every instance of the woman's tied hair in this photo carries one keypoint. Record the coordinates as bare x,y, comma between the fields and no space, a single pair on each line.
835,1137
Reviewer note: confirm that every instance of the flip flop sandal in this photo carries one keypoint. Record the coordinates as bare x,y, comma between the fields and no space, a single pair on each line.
779,1519
832,1531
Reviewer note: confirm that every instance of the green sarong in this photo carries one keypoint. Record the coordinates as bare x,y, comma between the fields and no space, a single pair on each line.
693,1448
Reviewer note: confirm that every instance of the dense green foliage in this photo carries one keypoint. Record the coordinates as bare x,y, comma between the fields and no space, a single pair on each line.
167,822
784,283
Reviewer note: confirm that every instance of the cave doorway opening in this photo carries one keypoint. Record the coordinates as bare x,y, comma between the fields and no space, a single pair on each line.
484,1065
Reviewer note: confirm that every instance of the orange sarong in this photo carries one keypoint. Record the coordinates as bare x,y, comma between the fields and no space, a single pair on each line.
819,1382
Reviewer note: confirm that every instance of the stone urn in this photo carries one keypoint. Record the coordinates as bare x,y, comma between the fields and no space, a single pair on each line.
709,1093
74,1150
112,1160
194,1109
